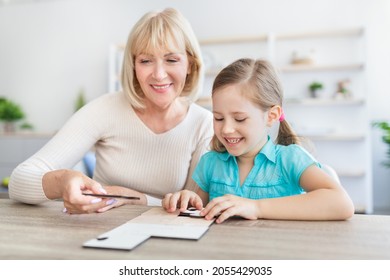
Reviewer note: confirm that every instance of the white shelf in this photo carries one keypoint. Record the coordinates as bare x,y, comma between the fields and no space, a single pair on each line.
325,101
334,67
347,32
304,68
283,36
206,101
351,173
335,137
234,40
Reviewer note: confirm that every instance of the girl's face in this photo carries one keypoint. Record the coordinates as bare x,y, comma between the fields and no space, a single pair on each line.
162,76
240,125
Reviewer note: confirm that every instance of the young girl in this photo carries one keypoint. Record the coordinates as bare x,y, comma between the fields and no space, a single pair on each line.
246,174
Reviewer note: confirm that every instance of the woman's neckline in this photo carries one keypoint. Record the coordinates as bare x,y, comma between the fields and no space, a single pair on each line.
155,125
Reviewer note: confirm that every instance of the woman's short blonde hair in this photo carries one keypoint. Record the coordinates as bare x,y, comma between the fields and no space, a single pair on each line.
169,30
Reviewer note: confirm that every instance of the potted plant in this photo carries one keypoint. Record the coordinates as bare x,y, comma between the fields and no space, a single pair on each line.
385,126
10,112
26,126
314,88
80,100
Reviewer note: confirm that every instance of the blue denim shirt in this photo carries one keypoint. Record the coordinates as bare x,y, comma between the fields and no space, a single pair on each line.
276,173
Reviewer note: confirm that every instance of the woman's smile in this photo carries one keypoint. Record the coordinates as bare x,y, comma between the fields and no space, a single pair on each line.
161,88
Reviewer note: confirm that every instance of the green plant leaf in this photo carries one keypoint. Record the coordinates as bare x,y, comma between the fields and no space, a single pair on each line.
385,127
10,111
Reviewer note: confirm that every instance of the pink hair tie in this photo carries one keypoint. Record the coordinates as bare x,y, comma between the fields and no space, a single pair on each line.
282,117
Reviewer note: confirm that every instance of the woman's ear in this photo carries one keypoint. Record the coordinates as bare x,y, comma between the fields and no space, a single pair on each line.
274,114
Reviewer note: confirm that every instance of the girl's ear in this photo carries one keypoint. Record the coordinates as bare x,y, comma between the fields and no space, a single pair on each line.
274,114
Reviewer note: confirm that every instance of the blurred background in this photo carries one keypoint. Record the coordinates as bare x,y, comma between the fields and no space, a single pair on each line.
333,57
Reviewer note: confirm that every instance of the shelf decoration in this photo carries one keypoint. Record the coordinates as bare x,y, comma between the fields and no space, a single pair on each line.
315,88
303,58
343,90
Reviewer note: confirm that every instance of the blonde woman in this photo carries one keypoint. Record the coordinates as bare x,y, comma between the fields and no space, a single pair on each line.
148,137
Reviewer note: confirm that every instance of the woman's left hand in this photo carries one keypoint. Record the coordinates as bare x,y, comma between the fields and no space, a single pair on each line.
230,205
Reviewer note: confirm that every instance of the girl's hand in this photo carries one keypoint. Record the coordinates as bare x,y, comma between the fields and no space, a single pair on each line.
181,200
230,205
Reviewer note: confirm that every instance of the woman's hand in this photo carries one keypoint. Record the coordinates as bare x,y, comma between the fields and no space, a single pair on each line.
230,205
181,200
70,186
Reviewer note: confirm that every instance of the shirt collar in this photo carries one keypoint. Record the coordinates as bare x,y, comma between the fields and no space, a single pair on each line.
268,150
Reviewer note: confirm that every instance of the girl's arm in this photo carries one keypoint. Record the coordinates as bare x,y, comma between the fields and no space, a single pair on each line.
325,200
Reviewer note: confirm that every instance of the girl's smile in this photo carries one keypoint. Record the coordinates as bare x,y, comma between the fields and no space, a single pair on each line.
233,141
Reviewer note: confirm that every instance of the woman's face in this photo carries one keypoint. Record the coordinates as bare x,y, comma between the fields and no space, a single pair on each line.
162,76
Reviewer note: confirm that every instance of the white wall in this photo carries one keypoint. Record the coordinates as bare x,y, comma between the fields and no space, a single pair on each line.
378,61
51,49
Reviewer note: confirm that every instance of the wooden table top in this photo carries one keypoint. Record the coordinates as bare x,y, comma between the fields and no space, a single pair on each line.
43,232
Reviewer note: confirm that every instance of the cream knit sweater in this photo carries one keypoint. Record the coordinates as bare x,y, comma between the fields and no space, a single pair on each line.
128,153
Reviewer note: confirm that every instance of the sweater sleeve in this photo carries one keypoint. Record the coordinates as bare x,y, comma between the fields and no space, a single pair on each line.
63,151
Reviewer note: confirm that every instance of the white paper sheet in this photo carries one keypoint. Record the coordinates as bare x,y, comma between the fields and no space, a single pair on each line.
155,222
